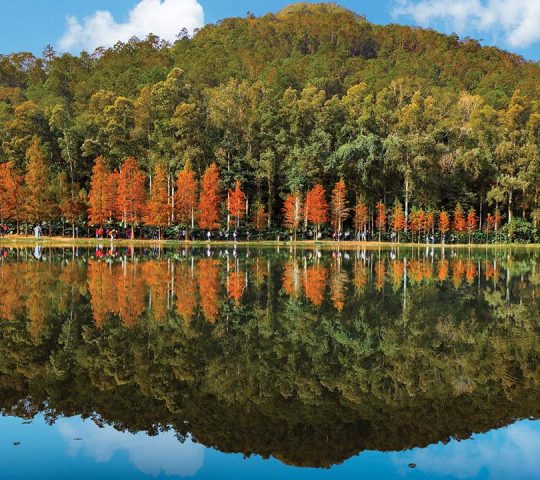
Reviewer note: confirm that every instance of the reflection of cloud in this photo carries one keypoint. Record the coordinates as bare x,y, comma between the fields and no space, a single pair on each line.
151,455
511,452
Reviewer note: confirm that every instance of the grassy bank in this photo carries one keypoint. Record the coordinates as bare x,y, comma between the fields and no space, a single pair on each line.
23,241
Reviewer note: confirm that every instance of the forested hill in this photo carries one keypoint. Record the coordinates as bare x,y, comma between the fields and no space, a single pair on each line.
308,95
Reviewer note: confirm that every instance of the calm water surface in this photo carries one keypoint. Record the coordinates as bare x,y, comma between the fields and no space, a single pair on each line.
262,363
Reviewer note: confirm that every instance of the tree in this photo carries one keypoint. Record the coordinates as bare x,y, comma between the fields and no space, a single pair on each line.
444,224
472,222
102,196
131,198
260,217
460,223
361,218
209,199
72,207
292,212
340,212
380,218
236,203
158,210
398,219
38,203
185,203
316,207
10,194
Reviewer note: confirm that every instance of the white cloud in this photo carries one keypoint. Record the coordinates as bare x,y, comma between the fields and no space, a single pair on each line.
516,20
164,18
150,455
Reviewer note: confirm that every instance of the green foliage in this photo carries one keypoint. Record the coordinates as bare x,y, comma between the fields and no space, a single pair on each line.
308,95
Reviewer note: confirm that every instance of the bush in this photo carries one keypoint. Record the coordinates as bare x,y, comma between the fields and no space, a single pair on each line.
520,231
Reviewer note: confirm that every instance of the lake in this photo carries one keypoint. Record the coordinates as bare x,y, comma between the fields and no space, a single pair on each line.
241,363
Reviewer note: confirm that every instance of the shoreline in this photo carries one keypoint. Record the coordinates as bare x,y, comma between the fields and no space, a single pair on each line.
92,242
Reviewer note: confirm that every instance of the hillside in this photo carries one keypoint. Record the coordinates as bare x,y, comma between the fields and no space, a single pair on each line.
308,95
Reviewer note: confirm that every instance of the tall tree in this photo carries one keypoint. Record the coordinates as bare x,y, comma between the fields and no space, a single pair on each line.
398,219
131,198
102,196
236,203
361,218
340,211
460,223
38,203
185,204
292,212
444,225
317,207
11,191
209,199
380,218
158,208
472,222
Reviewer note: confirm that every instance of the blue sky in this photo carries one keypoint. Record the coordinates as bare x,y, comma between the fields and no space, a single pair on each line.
72,25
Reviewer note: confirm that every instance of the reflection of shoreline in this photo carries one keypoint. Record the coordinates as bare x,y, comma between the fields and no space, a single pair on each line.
62,242
152,455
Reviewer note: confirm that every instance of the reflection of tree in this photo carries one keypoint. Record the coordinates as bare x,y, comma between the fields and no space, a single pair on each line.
292,280
315,283
236,283
283,376
209,287
130,285
186,290
337,285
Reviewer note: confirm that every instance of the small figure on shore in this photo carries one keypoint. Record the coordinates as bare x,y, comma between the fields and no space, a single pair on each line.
37,231
209,235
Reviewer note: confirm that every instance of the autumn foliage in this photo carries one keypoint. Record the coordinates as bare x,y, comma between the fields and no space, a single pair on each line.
131,198
317,207
237,204
185,203
209,199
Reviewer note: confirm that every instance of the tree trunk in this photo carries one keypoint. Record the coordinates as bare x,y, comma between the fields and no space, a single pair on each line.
406,202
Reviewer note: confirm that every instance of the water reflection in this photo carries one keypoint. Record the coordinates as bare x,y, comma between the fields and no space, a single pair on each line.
306,356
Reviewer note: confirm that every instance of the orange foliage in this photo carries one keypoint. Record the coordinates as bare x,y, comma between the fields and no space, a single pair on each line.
460,224
236,284
158,210
10,193
315,283
292,281
337,286
260,217
380,218
292,212
442,273
186,291
237,203
186,197
379,274
361,217
316,206
209,287
340,212
209,199
102,194
131,198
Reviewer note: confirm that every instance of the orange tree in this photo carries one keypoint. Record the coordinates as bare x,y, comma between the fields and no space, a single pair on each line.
317,207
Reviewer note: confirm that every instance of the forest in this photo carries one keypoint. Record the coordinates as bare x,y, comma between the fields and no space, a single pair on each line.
281,353
310,121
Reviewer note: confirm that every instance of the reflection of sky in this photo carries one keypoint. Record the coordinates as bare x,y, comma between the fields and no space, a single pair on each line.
54,453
